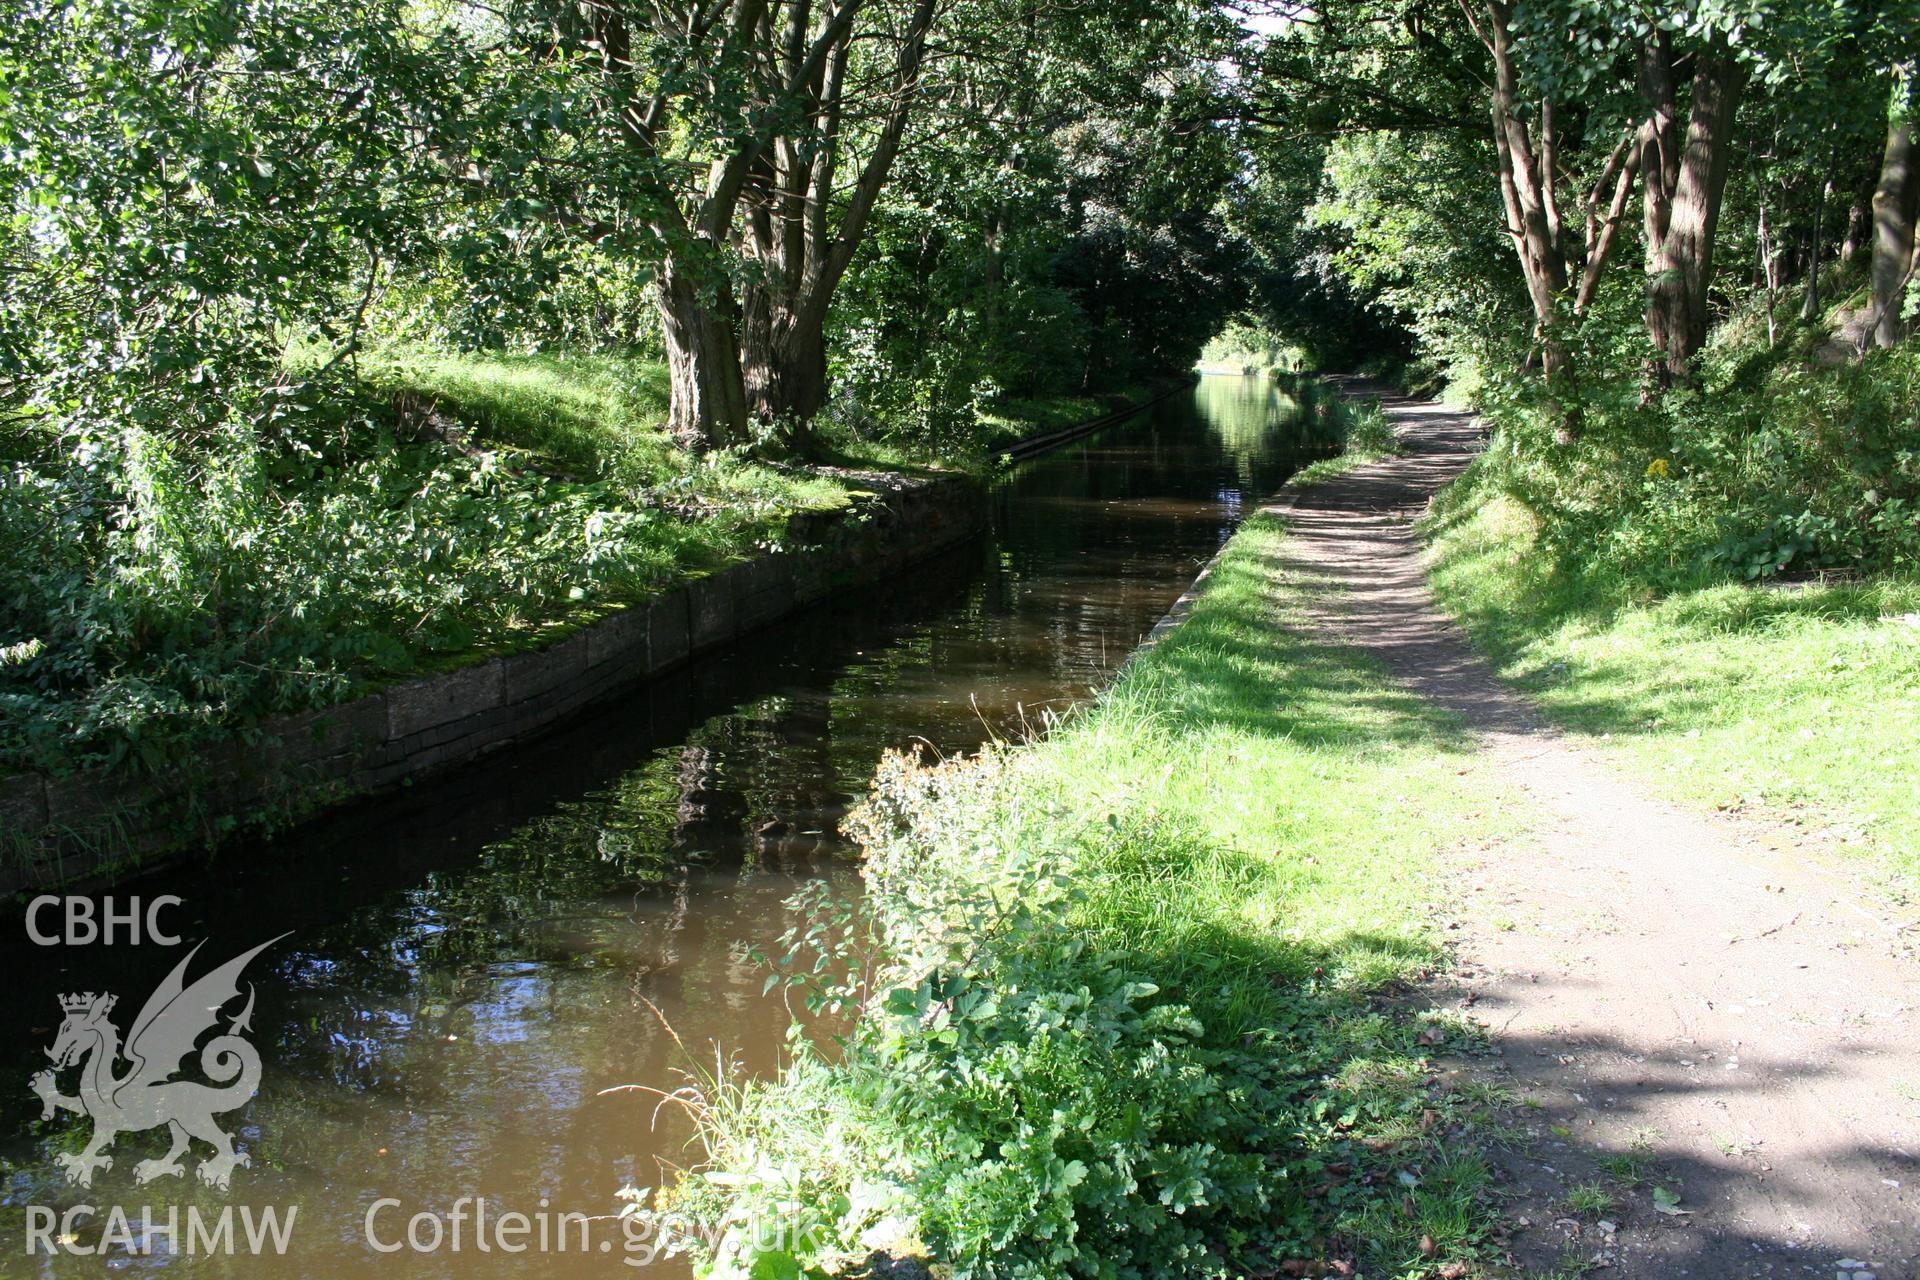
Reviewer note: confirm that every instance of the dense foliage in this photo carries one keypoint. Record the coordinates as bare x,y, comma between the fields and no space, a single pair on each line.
1739,403
342,340
1072,967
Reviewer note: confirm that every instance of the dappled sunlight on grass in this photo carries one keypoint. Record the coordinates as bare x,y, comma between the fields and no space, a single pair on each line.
1304,792
580,411
1776,698
413,511
1253,820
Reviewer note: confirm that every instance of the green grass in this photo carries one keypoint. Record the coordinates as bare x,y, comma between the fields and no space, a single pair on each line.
432,509
1628,1169
583,416
1801,700
586,414
1366,435
1592,1199
1308,783
601,414
1247,827
412,511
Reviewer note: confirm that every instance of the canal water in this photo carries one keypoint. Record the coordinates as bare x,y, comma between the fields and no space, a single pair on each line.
465,968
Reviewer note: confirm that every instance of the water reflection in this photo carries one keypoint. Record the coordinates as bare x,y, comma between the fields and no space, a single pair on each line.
472,964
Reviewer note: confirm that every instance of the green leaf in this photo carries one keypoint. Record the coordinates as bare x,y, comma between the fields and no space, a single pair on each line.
775,1265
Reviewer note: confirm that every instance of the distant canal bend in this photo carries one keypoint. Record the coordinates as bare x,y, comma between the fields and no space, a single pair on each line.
469,965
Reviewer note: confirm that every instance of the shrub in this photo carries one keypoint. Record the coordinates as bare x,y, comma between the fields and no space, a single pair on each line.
1757,472
1048,1076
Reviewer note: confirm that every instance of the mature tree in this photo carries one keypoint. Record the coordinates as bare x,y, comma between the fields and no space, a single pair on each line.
1685,170
1589,100
795,248
747,145
1529,148
733,127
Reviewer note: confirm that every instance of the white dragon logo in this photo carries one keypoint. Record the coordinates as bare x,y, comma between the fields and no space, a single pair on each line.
172,1021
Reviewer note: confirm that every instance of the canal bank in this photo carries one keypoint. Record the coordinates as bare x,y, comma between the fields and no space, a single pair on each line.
288,768
1138,968
471,960
103,824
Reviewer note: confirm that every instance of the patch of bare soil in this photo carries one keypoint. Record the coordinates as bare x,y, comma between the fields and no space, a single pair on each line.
1712,1036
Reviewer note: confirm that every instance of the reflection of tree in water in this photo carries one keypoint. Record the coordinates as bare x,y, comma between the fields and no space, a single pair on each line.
599,886
753,787
1247,416
534,951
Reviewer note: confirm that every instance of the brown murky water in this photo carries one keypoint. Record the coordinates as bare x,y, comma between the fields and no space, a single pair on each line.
467,966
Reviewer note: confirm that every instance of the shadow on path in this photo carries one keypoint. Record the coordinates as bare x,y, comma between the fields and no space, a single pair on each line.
1678,1006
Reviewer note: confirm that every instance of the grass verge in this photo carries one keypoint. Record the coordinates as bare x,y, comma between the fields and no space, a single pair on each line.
1365,434
1124,995
1799,700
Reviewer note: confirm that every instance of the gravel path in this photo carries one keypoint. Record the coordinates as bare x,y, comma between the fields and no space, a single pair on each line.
1678,996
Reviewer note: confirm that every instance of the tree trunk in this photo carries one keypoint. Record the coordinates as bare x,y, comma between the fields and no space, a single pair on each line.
1525,179
1859,215
1895,200
801,252
783,357
1769,274
1680,253
1526,185
1603,230
703,362
697,220
1810,304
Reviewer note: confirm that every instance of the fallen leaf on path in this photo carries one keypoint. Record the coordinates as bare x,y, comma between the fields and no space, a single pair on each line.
1668,1202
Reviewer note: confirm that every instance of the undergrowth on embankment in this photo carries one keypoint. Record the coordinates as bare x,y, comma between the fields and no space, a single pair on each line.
1125,992
425,511
1722,583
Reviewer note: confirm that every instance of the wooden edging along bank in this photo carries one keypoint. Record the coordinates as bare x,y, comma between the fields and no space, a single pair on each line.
292,766
1047,441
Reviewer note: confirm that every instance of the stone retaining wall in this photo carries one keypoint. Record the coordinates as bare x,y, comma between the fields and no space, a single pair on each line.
58,829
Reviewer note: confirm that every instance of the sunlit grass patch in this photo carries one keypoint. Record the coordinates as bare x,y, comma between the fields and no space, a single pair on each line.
1799,700
413,510
1366,435
588,414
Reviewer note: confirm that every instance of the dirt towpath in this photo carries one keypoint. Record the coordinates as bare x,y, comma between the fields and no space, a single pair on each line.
1683,1005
